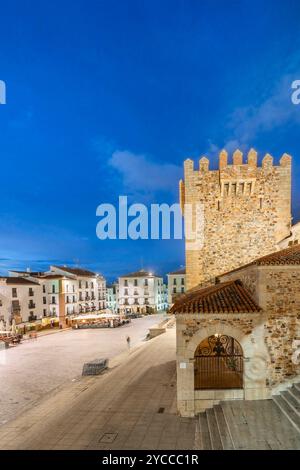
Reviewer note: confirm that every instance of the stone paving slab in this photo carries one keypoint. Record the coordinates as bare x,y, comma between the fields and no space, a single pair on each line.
116,410
40,366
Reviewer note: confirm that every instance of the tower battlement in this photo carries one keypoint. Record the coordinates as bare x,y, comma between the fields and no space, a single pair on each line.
247,210
238,164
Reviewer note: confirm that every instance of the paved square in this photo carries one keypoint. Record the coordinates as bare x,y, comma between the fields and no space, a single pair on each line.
36,367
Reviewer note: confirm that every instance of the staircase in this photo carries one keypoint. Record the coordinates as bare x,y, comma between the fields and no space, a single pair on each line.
212,432
289,404
259,424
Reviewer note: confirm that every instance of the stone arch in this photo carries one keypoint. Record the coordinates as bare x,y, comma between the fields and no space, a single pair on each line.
224,329
255,370
219,364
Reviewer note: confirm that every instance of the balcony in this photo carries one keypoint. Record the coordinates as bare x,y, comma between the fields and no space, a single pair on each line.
31,305
32,318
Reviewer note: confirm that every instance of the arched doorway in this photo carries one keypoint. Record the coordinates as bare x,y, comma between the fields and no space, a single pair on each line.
218,363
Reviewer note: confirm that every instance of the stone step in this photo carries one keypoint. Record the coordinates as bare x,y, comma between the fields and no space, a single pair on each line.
288,411
224,431
204,432
213,428
292,401
296,390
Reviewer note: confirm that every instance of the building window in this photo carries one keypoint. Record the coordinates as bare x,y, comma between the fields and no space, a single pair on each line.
174,290
125,283
146,282
135,282
14,292
30,292
126,292
182,281
44,300
86,285
92,285
53,288
182,290
44,288
79,284
175,281
45,312
53,300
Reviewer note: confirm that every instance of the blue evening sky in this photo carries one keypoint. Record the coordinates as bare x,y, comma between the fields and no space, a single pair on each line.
109,97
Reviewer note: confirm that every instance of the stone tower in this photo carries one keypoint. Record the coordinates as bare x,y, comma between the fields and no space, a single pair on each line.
246,208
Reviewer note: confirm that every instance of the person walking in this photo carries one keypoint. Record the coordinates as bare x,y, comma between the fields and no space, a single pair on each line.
128,342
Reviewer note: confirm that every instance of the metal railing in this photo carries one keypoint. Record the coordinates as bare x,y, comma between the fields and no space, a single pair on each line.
218,372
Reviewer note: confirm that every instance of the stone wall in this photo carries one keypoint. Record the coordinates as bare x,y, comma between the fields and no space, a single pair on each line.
276,290
248,330
282,304
247,211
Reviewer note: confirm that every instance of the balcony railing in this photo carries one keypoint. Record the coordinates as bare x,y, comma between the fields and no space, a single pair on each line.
31,305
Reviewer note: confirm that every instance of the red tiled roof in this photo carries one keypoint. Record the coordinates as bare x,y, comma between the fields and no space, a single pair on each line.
20,280
226,297
54,276
140,273
76,271
180,271
288,256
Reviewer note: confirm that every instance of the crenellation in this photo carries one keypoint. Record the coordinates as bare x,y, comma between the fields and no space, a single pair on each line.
203,165
286,160
237,157
223,159
188,168
267,161
252,158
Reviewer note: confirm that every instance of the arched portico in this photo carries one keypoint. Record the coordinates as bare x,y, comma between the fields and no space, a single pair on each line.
218,363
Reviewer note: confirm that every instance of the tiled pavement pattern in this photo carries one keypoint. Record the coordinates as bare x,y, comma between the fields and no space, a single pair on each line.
132,406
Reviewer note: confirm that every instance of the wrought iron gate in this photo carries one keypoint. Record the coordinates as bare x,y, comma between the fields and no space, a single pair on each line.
218,363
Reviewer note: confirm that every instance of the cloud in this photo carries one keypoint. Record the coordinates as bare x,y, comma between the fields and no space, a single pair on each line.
276,110
141,174
270,114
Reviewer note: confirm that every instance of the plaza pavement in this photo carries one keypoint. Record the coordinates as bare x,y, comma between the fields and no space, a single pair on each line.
36,367
131,406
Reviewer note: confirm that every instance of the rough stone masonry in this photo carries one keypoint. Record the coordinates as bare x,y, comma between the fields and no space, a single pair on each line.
247,212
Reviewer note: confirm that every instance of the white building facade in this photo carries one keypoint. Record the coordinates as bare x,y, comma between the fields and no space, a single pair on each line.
112,292
176,285
141,292
20,300
292,239
60,293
